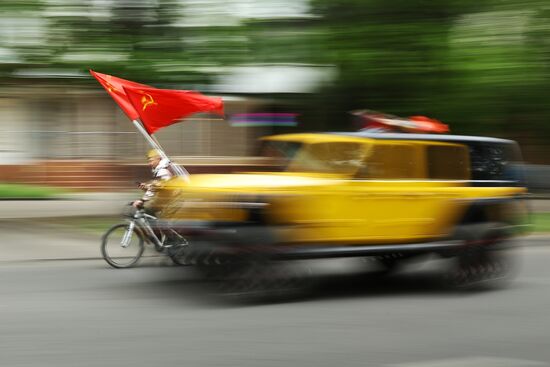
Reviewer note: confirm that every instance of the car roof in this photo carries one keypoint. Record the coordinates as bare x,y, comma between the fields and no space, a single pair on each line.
429,137
323,136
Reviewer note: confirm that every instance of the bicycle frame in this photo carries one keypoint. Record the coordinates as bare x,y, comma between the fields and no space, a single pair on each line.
141,219
141,229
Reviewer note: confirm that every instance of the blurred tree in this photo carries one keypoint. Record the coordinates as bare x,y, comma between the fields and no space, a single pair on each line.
391,56
21,33
481,66
144,40
498,71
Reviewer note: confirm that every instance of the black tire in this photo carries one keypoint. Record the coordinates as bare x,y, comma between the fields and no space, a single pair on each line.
117,256
180,253
390,264
244,267
486,261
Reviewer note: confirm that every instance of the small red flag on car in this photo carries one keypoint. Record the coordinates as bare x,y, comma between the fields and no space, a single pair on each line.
115,87
429,125
379,122
159,108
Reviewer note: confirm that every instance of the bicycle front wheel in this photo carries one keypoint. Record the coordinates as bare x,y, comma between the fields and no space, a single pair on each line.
120,247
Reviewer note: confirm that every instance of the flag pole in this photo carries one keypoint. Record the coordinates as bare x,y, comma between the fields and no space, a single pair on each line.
180,171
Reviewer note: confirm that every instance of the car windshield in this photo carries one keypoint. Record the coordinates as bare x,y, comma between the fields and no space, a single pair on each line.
279,153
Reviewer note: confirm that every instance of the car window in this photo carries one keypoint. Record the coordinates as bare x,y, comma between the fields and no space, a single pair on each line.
447,162
334,157
494,161
390,161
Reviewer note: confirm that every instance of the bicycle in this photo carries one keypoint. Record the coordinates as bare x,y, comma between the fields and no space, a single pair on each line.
123,244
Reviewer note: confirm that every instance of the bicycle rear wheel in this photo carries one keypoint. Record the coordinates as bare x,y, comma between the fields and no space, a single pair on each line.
120,253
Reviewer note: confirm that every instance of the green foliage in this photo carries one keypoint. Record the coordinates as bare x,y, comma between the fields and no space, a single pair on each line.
18,5
20,191
392,56
481,66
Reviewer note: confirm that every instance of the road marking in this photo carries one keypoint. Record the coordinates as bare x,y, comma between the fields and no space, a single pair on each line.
474,362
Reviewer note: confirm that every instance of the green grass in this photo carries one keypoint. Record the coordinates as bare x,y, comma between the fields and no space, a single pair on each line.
540,222
21,191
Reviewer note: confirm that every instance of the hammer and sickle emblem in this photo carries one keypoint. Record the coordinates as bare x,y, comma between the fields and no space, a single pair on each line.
110,87
147,101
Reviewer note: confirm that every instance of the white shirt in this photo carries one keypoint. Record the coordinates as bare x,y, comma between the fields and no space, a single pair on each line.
160,173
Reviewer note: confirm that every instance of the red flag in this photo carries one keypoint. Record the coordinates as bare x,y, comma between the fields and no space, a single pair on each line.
115,87
426,124
159,108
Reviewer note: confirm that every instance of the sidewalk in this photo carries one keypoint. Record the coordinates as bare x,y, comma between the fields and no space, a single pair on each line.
92,204
539,205
111,204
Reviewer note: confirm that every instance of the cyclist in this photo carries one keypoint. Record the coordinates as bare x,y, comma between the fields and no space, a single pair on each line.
161,172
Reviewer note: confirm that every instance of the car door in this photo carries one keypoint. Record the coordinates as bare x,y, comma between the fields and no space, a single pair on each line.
406,191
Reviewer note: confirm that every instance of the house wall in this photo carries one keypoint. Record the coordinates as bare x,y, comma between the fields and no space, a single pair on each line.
52,122
54,135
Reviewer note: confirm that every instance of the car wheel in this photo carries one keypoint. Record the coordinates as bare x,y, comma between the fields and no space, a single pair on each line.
486,259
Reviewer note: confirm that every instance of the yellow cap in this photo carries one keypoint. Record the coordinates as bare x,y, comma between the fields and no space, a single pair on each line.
153,153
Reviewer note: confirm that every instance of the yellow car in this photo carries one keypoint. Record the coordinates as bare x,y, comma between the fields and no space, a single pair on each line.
384,195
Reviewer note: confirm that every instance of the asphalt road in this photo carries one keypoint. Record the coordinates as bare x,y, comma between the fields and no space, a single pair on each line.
83,313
